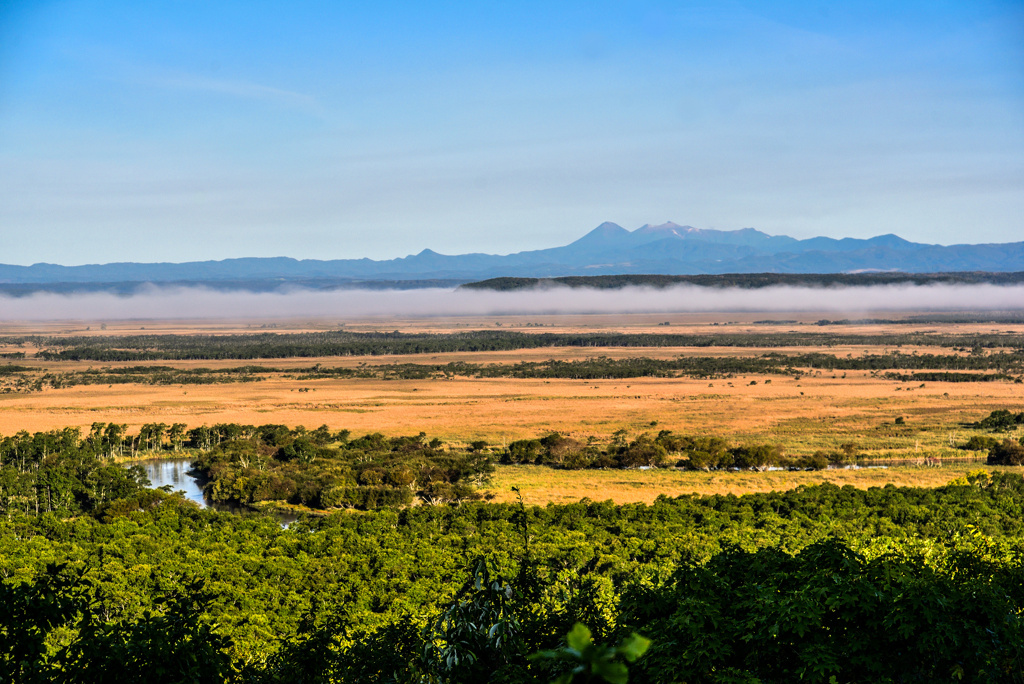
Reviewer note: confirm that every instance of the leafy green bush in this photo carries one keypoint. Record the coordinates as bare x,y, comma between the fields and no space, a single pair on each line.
980,443
1007,452
1001,420
830,612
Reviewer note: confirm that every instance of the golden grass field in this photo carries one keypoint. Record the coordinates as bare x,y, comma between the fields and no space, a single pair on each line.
803,415
819,411
540,485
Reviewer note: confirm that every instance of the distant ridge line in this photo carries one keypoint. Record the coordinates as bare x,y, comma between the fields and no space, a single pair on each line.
608,250
750,280
255,285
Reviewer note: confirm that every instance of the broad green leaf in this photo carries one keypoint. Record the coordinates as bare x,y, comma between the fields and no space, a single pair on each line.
634,646
579,637
614,673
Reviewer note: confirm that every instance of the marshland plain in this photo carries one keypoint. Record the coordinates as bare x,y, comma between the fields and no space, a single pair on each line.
802,411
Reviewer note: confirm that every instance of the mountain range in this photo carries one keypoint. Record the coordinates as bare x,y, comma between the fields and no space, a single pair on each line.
667,248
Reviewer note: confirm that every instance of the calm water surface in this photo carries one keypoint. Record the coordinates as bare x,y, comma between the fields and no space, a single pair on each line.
175,472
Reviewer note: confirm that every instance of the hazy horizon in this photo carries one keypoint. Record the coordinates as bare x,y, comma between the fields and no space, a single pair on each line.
187,303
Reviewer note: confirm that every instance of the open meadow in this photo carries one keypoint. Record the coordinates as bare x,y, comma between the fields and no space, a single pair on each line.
802,412
540,486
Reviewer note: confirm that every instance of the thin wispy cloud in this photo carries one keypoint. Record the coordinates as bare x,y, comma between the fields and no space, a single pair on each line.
242,89
118,68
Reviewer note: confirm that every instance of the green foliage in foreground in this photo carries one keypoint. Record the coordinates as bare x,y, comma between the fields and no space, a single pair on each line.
594,663
102,579
821,580
829,612
825,614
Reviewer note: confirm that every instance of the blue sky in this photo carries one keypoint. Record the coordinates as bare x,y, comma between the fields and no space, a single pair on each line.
174,131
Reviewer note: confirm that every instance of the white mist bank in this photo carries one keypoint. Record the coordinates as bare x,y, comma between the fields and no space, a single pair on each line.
199,303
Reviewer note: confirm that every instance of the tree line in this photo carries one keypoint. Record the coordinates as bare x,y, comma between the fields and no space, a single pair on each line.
343,343
747,281
66,471
940,368
665,450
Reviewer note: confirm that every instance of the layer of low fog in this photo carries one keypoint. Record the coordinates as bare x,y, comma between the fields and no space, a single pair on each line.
192,303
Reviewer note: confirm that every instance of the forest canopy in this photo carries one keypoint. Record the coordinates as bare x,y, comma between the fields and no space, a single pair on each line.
862,585
104,579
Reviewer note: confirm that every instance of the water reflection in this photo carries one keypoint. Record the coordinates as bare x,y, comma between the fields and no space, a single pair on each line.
176,473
